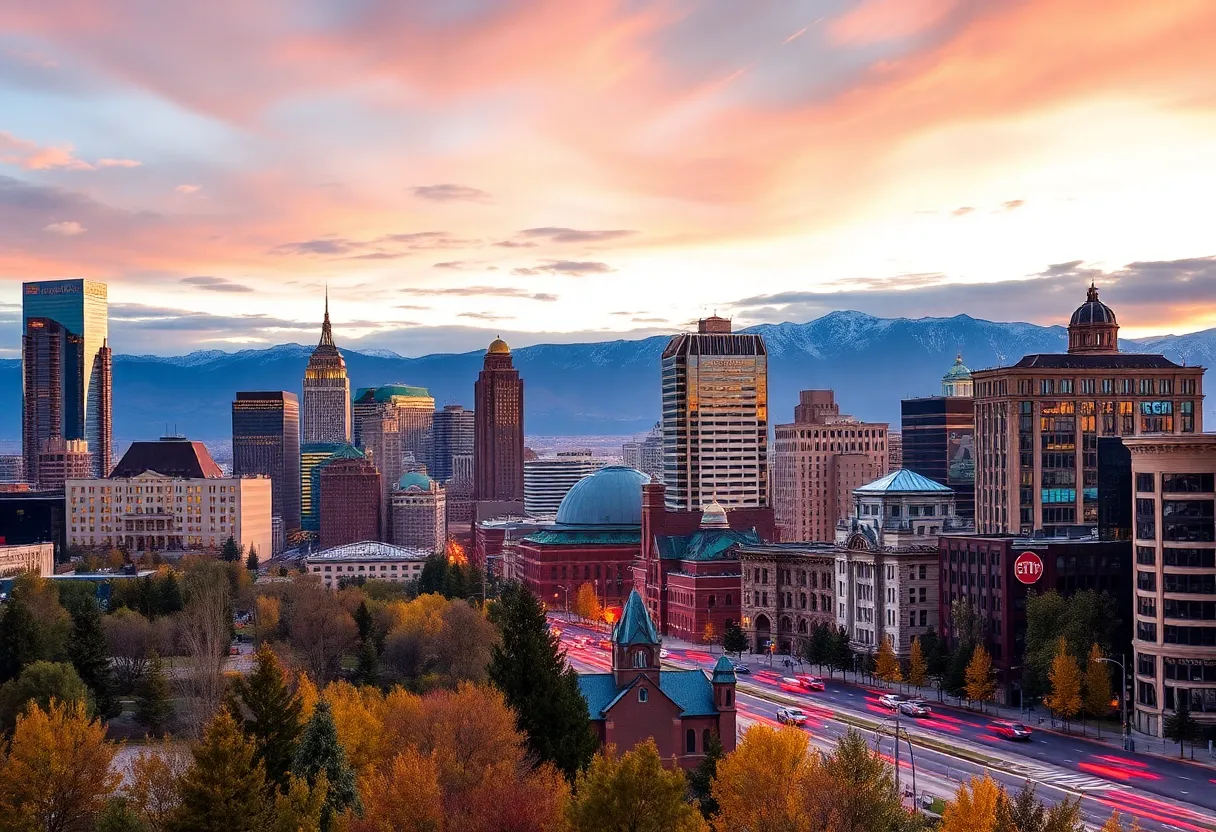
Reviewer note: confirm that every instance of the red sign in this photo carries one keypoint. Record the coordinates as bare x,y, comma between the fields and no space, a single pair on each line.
1028,567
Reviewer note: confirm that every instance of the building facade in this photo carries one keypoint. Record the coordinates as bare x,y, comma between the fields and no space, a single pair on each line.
350,502
419,513
61,460
547,480
452,436
66,369
788,590
412,408
498,442
817,462
12,469
28,557
1037,423
313,459
939,436
325,408
715,418
680,710
28,516
266,441
1175,588
369,560
646,454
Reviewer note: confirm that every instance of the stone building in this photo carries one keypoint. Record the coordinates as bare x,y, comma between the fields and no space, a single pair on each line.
325,407
498,428
787,591
419,513
61,460
368,559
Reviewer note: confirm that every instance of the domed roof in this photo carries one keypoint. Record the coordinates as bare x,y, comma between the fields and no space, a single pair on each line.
498,347
612,496
412,478
1093,311
959,372
713,516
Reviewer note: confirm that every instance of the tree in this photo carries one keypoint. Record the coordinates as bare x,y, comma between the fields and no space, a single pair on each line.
1065,676
88,654
587,603
709,635
887,663
760,786
1180,726
319,751
274,723
632,793
118,816
1081,620
701,778
230,551
19,639
153,710
405,797
224,790
321,631
981,687
1096,692
734,640
820,645
918,670
57,774
251,560
859,790
529,667
267,611
40,684
129,641
299,807
152,788
204,628
842,651
1024,813
937,659
975,806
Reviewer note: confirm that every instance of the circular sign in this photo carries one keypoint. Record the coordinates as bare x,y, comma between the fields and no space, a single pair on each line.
1028,567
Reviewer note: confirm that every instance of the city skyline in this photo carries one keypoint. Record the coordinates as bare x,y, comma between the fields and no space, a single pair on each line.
786,159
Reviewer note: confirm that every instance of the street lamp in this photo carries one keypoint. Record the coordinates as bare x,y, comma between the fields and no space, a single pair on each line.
911,757
567,591
1122,693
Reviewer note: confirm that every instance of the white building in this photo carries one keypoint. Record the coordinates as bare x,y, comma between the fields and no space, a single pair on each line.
419,513
371,560
646,455
36,557
547,480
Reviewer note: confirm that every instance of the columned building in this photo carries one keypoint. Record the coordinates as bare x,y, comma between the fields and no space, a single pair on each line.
326,407
1175,587
498,448
715,418
266,440
1038,422
939,436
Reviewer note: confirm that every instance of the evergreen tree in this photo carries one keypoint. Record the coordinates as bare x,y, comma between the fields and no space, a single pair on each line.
955,680
842,651
528,666
364,621
230,551
320,751
820,645
1180,726
153,710
89,655
275,718
367,666
701,778
169,595
1024,813
19,641
734,640
224,790
434,576
251,560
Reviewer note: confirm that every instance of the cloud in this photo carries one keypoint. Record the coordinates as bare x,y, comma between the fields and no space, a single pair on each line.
386,247
463,265
514,244
29,155
215,284
66,229
962,212
118,163
567,267
412,307
484,316
450,193
1014,204
649,320
574,235
482,291
187,189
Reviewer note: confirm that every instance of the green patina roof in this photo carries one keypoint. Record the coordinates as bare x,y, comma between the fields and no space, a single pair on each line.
591,537
690,689
337,450
385,392
703,544
635,626
724,671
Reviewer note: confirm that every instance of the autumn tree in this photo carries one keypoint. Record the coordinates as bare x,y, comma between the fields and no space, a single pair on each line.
981,687
701,777
887,663
129,641
1095,689
632,792
320,751
1065,696
975,807
320,631
267,610
709,635
299,808
762,784
224,790
270,715
856,789
404,797
918,669
57,774
152,787
587,603
153,708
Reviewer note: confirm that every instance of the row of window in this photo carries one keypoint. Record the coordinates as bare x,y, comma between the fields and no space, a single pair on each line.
1105,386
1193,636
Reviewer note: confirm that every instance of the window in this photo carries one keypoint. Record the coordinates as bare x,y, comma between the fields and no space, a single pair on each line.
730,697
1147,631
1146,665
639,658
1186,483
1146,694
690,741
1146,518
1147,482
1146,556
643,695
705,735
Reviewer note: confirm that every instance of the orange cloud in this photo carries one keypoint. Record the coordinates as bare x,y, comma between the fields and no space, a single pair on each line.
875,21
30,156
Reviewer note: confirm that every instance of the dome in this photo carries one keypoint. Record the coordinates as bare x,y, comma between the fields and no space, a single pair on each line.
1093,311
713,516
959,372
498,347
612,496
415,478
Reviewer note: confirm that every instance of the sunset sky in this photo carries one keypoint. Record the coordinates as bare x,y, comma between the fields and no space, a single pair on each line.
561,170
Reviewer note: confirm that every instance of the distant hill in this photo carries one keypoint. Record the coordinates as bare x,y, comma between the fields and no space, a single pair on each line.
610,387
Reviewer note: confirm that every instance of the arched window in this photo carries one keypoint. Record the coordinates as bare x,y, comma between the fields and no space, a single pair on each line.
690,742
712,600
705,740
643,695
639,659
728,599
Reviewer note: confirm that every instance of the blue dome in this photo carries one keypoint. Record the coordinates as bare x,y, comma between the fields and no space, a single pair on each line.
612,496
414,478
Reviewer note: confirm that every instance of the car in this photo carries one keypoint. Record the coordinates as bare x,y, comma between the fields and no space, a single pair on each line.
1010,730
890,701
742,668
605,644
791,716
582,641
915,707
810,682
663,653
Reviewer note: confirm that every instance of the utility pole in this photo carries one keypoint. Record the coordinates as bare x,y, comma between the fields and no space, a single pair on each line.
1122,693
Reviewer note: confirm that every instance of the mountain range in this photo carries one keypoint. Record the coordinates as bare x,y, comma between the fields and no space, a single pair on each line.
609,387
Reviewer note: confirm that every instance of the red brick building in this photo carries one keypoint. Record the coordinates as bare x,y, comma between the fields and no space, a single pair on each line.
679,709
350,502
498,428
689,572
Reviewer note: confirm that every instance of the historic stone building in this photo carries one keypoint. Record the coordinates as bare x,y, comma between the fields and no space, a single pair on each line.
419,513
788,589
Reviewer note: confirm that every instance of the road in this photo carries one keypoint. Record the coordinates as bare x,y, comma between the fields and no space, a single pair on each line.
952,745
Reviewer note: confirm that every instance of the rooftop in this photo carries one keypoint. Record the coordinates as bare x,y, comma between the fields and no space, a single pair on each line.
690,689
611,497
635,626
387,392
171,457
902,481
703,544
1092,361
368,550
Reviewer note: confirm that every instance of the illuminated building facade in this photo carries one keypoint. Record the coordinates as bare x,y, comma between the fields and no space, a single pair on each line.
419,513
498,446
452,436
325,415
266,440
350,502
61,460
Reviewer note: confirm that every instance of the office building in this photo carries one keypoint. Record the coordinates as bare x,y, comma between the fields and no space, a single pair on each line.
895,450
939,436
459,490
266,440
498,444
452,436
11,468
313,458
412,407
715,418
1175,586
367,559
61,460
496,543
1037,423
28,516
817,462
66,369
350,502
27,557
646,455
787,591
419,513
325,411
547,480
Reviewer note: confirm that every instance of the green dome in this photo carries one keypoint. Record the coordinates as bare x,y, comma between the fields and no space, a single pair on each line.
959,372
612,496
412,478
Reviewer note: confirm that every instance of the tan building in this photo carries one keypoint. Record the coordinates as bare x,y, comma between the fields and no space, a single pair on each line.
1175,588
1037,423
35,557
419,513
817,462
370,560
787,592
61,460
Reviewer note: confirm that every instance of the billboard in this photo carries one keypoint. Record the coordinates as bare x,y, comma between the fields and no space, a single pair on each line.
960,456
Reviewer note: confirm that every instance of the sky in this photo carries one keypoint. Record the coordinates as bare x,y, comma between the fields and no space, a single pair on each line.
557,171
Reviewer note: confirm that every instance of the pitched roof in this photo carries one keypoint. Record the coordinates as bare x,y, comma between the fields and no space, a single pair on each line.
1083,361
703,544
689,689
635,626
902,481
171,457
724,671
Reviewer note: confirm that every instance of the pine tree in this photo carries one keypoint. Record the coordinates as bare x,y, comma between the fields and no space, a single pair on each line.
275,722
886,665
153,710
918,673
251,560
364,621
224,790
980,685
820,645
320,751
169,595
842,651
367,666
1096,687
1180,726
89,655
1065,676
434,576
701,778
528,666
230,551
18,639
734,640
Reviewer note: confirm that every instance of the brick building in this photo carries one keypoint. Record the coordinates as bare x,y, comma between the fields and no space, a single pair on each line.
350,502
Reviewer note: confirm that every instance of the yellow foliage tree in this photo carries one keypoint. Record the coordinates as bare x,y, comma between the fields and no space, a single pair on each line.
918,669
151,785
709,635
587,603
633,792
981,687
306,689
760,786
357,717
267,611
975,807
404,796
886,664
1065,696
1096,690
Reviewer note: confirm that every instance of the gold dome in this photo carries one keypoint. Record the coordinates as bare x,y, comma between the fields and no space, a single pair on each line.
498,347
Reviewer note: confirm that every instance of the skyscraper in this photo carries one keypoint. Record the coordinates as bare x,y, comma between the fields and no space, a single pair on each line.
547,480
715,418
452,435
646,455
266,440
939,436
66,369
412,407
498,448
350,502
326,413
313,459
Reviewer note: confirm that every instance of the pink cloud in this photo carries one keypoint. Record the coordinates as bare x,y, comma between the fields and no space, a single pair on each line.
875,21
31,156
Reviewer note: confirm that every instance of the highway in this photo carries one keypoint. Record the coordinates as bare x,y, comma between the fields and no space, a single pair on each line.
951,745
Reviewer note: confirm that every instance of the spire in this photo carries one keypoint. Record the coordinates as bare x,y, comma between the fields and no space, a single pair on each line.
1092,295
327,333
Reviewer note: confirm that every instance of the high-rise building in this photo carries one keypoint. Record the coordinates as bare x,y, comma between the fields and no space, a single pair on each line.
313,458
66,369
547,480
939,436
452,436
12,469
325,416
646,455
412,407
419,513
1037,423
350,502
459,490
380,440
498,447
715,418
61,460
818,460
895,450
266,440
